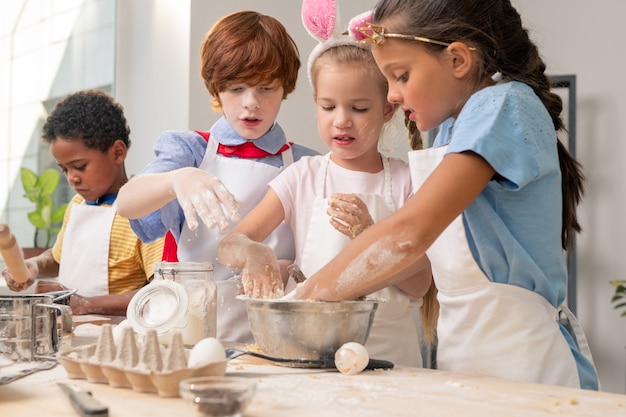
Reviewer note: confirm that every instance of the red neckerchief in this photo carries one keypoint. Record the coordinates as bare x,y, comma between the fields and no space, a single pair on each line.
245,150
249,150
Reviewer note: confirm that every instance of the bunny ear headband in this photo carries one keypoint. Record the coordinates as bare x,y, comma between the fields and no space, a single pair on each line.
321,20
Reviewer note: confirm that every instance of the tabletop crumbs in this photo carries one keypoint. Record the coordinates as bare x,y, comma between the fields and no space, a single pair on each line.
569,401
313,376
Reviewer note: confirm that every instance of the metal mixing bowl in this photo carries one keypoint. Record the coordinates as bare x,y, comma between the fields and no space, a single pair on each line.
308,329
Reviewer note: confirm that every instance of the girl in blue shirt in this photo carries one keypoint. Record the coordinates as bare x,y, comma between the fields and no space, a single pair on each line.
495,197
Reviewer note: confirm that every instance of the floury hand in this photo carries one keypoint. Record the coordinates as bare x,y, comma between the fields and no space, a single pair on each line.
349,214
200,194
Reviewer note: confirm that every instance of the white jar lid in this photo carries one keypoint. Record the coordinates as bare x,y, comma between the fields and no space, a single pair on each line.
161,305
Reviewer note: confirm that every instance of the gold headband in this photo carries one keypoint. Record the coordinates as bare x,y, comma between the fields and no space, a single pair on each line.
376,34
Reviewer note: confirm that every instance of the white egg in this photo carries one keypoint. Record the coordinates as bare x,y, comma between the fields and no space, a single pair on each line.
119,330
206,351
351,358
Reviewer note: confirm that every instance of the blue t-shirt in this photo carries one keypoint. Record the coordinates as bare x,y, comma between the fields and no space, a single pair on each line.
179,149
514,226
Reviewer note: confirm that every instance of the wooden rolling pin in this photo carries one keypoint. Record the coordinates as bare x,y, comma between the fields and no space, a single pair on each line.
12,255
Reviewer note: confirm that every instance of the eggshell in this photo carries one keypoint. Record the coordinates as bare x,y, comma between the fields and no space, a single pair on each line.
206,351
351,358
118,331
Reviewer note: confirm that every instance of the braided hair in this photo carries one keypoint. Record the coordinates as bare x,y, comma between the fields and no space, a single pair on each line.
494,28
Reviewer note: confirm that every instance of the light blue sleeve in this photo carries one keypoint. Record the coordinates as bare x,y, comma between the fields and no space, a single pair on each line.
173,150
299,151
510,128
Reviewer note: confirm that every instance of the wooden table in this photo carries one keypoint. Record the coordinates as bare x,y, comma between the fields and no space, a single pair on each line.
284,391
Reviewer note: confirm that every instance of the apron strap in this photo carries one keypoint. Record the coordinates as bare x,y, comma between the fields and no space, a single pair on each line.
321,179
388,188
321,176
567,319
287,156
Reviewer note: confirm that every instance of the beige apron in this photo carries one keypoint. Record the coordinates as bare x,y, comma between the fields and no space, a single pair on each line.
393,335
490,328
201,244
84,262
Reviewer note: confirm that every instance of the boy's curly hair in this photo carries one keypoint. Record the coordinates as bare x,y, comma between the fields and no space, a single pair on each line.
91,116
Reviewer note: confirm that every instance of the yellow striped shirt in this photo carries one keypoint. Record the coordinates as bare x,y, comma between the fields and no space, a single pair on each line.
131,262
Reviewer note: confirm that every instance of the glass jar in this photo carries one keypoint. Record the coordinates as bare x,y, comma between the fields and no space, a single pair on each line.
181,297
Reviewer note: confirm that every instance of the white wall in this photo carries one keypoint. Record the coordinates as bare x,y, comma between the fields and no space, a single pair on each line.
152,71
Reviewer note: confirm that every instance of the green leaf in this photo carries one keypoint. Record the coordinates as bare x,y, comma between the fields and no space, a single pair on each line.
39,190
45,203
29,179
59,213
35,218
46,216
48,181
32,195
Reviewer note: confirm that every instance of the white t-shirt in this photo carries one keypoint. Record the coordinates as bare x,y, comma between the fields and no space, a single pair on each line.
296,185
393,335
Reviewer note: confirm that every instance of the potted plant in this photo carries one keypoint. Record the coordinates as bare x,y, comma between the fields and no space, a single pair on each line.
619,298
39,190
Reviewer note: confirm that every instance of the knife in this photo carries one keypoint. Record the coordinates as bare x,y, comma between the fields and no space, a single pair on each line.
84,402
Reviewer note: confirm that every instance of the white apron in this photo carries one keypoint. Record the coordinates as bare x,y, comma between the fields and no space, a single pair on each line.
393,335
490,328
201,244
84,262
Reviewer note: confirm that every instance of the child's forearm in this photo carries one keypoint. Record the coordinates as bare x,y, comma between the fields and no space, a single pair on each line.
238,251
108,305
419,279
144,194
232,250
46,265
200,194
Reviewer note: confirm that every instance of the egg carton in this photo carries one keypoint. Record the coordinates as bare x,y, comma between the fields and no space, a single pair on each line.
143,367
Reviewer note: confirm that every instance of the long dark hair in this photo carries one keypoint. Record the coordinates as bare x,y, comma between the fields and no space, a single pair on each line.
495,29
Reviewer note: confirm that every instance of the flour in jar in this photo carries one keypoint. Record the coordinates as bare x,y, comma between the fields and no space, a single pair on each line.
201,313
